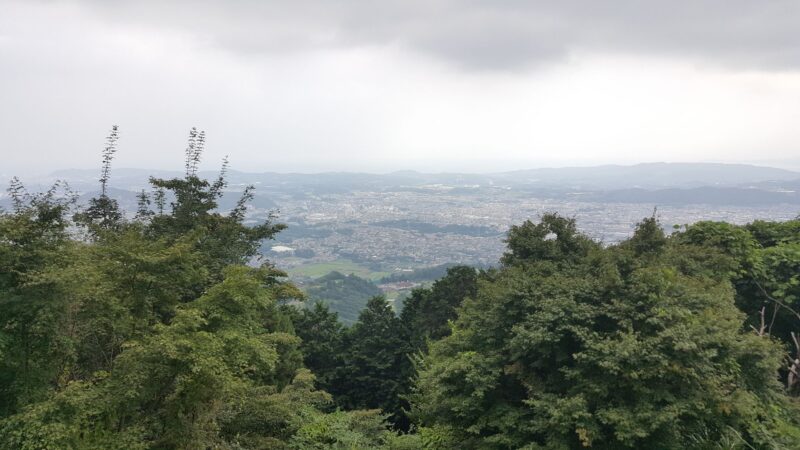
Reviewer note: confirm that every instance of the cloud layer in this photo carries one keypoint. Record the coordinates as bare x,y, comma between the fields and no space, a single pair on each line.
489,35
432,85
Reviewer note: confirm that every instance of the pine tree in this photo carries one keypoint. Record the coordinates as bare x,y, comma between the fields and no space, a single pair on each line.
377,367
143,211
322,335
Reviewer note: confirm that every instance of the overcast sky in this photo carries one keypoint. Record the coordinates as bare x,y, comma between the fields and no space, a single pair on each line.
388,85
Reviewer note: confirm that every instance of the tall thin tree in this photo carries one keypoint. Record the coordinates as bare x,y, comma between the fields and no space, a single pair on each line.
108,156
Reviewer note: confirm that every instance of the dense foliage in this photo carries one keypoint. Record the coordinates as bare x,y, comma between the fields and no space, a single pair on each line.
167,331
765,271
572,345
153,332
427,312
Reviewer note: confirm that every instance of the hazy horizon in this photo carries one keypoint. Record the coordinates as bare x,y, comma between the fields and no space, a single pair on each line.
209,167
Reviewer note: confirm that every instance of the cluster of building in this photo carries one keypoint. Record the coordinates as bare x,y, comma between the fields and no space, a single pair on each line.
358,227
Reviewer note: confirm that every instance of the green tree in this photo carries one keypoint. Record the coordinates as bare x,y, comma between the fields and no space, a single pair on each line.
764,267
602,353
103,211
322,338
209,379
554,238
32,238
149,335
350,430
428,311
649,238
376,366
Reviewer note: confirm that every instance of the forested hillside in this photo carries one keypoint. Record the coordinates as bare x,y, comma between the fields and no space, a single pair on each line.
160,331
347,295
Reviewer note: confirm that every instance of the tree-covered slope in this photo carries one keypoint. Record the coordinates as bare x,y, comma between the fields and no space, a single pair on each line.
346,295
571,345
152,333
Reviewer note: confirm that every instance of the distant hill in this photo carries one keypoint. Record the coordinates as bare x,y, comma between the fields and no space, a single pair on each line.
344,294
653,175
645,176
706,195
656,183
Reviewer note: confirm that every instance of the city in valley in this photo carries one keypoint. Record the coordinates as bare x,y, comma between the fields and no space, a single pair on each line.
431,226
377,225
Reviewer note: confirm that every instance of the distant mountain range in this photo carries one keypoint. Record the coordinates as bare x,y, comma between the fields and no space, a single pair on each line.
657,183
643,176
656,175
647,175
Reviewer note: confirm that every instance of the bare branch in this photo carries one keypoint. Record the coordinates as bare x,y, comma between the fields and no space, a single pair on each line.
773,299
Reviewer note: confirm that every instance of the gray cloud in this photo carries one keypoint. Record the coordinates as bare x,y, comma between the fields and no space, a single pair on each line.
355,85
493,35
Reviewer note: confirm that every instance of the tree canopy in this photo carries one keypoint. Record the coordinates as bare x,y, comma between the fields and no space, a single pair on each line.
574,345
158,331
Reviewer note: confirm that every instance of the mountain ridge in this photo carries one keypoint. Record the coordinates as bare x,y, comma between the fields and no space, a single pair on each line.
611,176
